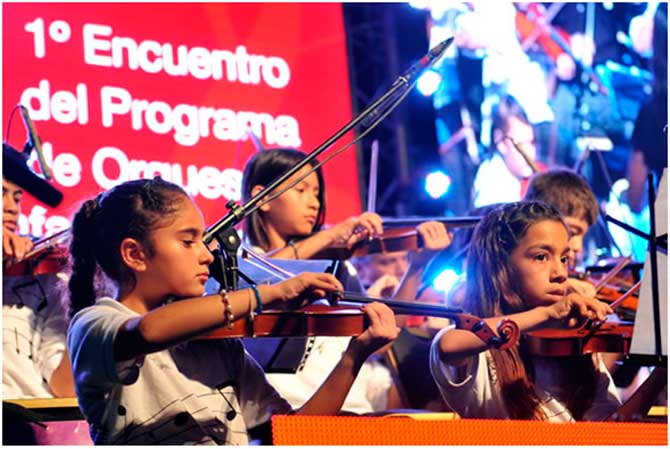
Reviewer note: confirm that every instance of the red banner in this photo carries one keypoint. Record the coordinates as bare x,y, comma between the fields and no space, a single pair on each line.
126,91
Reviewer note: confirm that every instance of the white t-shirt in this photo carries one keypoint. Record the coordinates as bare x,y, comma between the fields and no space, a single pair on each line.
34,323
494,183
369,392
479,396
199,392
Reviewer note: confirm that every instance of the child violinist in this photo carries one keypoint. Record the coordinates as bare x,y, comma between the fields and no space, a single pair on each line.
141,378
571,195
517,268
290,227
34,320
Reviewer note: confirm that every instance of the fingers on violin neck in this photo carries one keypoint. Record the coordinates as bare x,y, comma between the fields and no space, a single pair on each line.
335,297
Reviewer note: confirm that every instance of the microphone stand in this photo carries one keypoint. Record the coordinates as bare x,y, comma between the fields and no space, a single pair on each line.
225,268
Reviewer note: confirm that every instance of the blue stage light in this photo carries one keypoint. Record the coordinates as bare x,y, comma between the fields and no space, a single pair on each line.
428,82
444,281
437,184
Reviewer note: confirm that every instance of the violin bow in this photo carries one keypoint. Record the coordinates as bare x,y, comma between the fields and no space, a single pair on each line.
594,325
264,263
626,295
612,273
508,330
48,242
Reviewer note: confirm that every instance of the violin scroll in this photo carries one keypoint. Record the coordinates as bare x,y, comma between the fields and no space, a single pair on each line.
509,333
508,330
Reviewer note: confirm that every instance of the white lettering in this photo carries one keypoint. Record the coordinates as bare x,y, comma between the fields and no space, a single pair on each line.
67,170
208,181
189,123
98,169
92,44
64,106
114,100
101,48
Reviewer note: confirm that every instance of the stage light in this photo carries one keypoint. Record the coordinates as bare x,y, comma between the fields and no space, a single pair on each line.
437,184
444,281
419,4
428,83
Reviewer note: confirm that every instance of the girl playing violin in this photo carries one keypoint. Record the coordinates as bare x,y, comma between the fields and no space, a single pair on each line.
290,226
517,268
140,378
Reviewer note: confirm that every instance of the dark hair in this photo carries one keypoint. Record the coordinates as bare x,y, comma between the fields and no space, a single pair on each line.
506,108
489,292
566,191
488,266
261,170
130,210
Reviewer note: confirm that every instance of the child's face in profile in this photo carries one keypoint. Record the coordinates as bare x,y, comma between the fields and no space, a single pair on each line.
539,264
578,227
179,265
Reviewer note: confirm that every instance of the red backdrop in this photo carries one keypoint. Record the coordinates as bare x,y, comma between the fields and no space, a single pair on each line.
126,91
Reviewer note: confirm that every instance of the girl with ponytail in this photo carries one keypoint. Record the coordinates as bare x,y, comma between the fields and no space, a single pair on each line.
517,268
140,376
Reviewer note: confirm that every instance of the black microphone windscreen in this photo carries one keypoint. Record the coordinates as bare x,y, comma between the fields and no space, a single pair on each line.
15,169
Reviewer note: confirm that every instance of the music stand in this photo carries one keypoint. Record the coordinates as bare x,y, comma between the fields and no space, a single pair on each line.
649,343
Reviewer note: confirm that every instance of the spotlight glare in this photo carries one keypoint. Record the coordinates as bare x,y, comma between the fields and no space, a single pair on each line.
428,83
437,184
444,281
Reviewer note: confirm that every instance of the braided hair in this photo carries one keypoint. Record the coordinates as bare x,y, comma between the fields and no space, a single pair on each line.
130,210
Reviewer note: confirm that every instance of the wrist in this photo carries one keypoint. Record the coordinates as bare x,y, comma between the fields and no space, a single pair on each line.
256,301
356,354
268,294
328,236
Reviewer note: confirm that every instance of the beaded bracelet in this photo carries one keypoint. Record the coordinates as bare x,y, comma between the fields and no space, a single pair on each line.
259,301
228,316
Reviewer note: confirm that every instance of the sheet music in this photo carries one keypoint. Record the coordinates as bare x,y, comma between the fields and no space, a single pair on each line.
643,342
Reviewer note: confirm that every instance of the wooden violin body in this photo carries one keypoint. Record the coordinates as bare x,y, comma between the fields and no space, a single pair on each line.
49,261
49,255
608,337
399,235
393,240
312,320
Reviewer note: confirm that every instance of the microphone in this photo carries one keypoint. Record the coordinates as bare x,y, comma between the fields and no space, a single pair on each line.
16,170
407,79
33,141
427,60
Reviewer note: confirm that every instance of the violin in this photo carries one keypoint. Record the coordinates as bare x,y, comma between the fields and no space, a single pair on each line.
589,338
401,239
48,255
609,337
341,320
402,236
612,284
533,26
